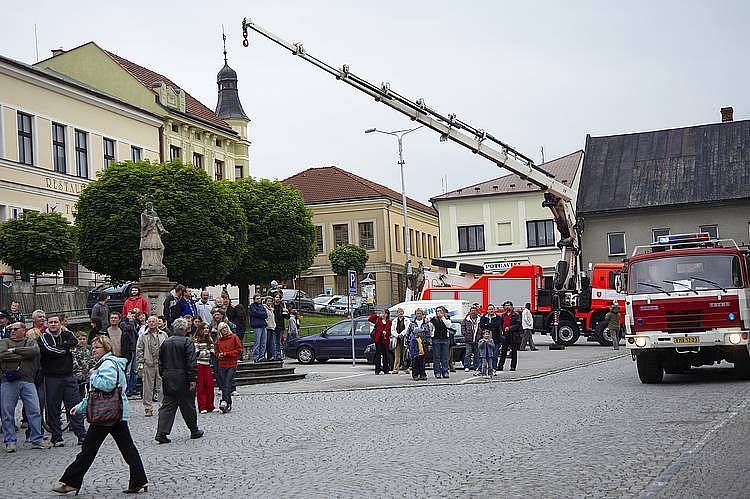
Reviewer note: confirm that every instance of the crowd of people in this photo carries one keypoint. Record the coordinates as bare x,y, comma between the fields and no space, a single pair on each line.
174,357
408,344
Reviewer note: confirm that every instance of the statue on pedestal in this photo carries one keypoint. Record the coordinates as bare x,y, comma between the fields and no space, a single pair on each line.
152,248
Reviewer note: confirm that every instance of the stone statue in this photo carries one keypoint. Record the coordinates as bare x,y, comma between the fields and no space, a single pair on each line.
152,249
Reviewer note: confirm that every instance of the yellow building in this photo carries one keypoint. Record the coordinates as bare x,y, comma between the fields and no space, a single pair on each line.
501,222
216,141
350,209
56,134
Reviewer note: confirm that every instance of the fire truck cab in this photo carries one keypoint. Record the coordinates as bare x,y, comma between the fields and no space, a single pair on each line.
687,305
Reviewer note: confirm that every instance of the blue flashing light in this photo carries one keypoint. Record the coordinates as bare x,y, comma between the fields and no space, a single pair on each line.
696,237
639,322
731,316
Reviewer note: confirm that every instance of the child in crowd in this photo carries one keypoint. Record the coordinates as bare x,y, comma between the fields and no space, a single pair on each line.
417,351
82,362
486,351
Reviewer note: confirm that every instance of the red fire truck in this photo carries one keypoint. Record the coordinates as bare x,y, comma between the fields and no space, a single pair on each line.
687,305
526,283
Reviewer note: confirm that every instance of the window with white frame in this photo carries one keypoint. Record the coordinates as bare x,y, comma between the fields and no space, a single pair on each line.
109,151
25,139
616,243
319,239
136,154
712,230
340,234
366,235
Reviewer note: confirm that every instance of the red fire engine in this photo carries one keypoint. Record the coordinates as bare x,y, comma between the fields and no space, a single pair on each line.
526,283
687,305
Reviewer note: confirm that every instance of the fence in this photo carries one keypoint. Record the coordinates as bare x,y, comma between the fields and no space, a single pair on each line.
72,303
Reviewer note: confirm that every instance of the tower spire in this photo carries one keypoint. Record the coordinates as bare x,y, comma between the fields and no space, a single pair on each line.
224,38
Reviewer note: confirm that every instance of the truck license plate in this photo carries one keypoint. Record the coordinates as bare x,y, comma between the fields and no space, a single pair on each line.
687,339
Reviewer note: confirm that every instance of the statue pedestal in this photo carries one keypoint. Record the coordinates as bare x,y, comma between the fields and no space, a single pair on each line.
156,288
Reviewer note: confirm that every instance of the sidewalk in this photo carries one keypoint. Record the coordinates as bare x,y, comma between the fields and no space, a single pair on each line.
338,375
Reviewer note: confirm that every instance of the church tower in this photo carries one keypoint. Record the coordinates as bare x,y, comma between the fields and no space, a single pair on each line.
228,106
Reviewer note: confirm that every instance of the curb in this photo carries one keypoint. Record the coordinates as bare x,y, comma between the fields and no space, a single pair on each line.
441,384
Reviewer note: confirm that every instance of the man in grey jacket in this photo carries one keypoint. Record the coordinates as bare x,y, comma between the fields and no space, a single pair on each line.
100,310
178,361
147,356
18,362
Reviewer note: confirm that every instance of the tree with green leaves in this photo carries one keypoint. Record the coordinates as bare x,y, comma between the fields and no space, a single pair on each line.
206,223
348,257
280,233
38,243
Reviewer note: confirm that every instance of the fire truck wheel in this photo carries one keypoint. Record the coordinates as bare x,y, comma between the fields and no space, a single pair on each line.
650,370
568,333
603,335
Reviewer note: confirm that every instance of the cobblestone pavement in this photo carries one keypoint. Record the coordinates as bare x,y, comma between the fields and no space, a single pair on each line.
589,432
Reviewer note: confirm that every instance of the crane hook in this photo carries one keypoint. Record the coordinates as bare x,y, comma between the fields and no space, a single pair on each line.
245,41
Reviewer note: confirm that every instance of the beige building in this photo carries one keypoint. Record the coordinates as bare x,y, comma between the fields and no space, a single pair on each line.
57,134
501,222
215,141
350,209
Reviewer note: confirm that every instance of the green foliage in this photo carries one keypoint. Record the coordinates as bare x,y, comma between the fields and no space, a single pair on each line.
348,257
207,227
37,242
279,230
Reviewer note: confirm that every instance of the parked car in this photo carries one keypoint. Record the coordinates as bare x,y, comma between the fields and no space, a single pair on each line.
296,298
117,296
341,307
335,342
321,303
458,349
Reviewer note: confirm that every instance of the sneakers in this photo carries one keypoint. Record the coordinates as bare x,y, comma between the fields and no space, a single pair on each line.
204,411
59,443
466,369
223,406
9,448
234,393
477,373
40,445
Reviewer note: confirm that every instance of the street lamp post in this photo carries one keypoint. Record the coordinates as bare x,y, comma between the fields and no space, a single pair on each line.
399,134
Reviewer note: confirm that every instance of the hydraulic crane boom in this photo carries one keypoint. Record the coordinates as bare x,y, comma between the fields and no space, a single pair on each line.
557,196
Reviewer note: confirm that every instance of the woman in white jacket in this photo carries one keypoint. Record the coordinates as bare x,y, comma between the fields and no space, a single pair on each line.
399,330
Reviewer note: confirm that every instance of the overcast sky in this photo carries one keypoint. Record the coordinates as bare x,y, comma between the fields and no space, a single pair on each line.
532,73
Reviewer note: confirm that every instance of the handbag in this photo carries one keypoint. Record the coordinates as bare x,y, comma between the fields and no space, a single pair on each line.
105,408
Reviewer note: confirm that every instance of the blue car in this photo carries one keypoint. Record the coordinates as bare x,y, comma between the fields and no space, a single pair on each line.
335,342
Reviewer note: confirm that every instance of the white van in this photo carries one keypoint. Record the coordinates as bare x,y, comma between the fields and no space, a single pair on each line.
457,309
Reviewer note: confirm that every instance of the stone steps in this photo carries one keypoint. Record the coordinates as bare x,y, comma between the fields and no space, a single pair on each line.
249,373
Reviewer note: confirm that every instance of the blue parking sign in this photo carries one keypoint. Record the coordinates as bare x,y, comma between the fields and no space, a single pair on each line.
352,282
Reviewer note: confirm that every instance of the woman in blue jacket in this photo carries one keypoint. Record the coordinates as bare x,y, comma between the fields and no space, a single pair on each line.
109,372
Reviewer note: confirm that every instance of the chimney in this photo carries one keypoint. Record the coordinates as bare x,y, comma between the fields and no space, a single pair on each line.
727,114
57,51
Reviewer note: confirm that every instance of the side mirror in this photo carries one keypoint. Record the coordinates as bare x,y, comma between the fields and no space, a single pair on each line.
619,282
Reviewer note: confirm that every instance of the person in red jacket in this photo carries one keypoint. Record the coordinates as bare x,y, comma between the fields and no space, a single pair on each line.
228,349
382,336
136,300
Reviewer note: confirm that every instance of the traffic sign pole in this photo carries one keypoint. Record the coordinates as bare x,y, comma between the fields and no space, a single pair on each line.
352,277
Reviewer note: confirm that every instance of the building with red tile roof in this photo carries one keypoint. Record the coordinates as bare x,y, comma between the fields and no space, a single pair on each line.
348,208
214,141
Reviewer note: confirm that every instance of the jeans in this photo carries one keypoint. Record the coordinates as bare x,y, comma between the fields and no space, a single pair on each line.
274,344
120,432
440,349
471,357
495,353
132,376
226,383
259,343
26,391
62,390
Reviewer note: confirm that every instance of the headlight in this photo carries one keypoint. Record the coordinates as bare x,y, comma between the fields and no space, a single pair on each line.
734,338
640,341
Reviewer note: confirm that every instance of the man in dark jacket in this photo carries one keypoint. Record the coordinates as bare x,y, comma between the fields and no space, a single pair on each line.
511,328
100,310
258,315
279,314
61,386
178,362
128,343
